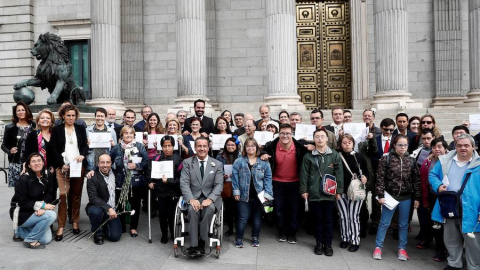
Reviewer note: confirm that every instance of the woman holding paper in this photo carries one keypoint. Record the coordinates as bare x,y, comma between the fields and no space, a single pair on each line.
195,125
251,176
99,127
397,182
173,129
221,128
166,190
130,159
70,141
153,126
228,156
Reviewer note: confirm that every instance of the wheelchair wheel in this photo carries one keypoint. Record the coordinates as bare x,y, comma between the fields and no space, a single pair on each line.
177,231
219,232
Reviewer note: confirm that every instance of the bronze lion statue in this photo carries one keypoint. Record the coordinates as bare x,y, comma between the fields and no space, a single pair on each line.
54,71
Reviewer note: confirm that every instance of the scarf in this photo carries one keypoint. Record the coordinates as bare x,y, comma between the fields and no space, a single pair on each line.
41,146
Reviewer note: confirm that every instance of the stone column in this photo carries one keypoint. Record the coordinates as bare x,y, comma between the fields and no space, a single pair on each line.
448,54
106,54
281,49
132,54
359,37
474,36
191,52
391,55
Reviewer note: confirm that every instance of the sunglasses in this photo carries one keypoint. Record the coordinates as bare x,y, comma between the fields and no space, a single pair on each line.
426,122
388,129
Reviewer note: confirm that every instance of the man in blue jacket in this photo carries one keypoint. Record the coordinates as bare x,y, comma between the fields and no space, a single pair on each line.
448,175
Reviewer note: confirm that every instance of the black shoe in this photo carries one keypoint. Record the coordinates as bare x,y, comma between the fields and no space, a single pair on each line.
58,237
16,238
201,247
164,239
191,251
76,231
448,267
281,237
37,245
353,248
344,244
328,251
318,250
228,232
372,230
292,239
395,234
98,240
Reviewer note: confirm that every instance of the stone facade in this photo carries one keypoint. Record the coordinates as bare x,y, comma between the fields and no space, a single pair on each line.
234,58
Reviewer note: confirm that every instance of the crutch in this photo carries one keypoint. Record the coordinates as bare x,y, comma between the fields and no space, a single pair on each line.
149,217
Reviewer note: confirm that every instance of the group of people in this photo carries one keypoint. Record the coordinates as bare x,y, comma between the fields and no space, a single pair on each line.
405,164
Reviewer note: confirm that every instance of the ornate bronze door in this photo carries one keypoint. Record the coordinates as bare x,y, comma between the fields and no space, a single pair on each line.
323,53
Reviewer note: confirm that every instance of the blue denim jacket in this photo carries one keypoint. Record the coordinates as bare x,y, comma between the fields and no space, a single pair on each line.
118,168
262,178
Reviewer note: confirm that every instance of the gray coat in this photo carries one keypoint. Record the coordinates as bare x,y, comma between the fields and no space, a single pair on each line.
193,186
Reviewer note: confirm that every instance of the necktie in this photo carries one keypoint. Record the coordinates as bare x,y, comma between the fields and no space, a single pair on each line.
202,168
387,147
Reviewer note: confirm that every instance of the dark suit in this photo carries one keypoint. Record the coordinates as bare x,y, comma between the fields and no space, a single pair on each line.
112,125
207,125
97,208
239,131
194,187
140,125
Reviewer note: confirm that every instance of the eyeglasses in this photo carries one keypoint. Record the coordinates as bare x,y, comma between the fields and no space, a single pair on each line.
426,122
250,146
182,116
402,145
388,129
285,134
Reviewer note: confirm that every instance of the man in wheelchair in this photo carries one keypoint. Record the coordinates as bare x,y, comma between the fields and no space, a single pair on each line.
201,183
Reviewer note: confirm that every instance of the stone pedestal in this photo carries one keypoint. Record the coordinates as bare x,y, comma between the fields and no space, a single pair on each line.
391,55
191,53
474,36
282,55
106,54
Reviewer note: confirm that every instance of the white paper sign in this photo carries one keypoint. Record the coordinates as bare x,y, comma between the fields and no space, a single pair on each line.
390,202
262,137
152,138
358,130
304,132
261,196
100,139
75,169
192,145
474,120
218,140
136,159
139,137
227,169
161,168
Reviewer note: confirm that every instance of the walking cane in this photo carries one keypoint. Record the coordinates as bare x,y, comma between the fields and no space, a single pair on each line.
149,218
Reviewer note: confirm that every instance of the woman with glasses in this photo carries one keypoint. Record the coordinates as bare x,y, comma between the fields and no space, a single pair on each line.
397,178
250,176
228,156
427,121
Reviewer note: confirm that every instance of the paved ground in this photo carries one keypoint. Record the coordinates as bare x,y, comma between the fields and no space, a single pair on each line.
137,253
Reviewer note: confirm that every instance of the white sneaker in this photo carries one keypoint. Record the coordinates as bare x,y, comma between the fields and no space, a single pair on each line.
377,253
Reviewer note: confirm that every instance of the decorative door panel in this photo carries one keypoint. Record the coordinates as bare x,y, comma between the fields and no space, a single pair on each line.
323,53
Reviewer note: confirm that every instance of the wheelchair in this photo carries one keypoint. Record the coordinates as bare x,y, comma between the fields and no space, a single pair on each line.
215,232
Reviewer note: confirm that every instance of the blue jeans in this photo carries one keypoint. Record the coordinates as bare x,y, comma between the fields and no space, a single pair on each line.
387,214
37,228
112,229
245,209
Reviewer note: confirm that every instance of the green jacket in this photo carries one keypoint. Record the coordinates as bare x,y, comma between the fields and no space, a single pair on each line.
310,180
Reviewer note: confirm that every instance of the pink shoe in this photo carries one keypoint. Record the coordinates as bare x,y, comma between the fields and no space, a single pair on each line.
403,255
377,253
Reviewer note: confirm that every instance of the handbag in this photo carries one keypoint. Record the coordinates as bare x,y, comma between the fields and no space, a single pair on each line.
328,185
356,189
451,203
